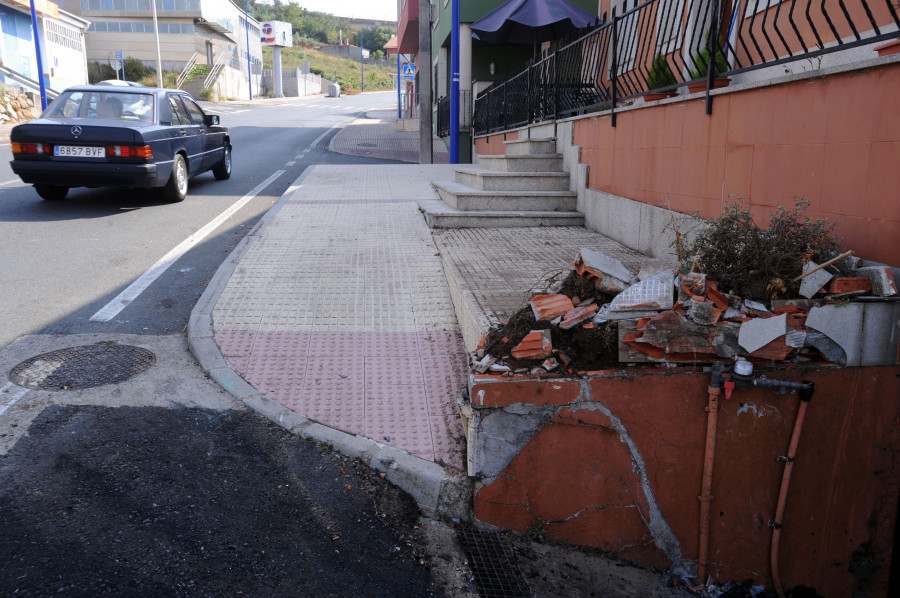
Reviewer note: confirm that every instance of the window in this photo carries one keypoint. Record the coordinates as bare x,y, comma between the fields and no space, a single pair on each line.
669,21
194,110
179,116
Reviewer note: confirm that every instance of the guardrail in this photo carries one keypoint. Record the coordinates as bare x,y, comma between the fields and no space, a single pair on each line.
660,46
465,113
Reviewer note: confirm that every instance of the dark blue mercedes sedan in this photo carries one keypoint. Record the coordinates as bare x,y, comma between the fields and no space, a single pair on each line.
105,136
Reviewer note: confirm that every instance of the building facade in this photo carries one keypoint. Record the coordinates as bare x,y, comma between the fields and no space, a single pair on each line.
208,31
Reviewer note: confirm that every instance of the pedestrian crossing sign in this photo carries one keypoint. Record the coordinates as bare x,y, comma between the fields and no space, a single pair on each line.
409,71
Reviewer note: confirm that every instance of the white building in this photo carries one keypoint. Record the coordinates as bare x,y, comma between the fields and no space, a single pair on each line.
62,40
208,31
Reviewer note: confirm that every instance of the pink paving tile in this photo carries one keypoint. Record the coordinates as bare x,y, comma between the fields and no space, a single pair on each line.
335,370
394,370
402,424
337,343
233,343
281,343
391,343
440,343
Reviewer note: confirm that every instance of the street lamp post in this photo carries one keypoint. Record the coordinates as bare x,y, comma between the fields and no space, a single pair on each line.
247,23
362,66
454,83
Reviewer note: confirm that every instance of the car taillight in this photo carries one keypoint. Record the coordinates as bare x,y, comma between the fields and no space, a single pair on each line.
129,151
32,148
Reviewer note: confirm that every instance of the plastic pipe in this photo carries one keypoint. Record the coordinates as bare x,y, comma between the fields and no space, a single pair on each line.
806,393
712,410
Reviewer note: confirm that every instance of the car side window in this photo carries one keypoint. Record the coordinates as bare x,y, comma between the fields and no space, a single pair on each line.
194,110
179,115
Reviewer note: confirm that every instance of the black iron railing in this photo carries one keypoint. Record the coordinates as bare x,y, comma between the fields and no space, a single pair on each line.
443,113
663,45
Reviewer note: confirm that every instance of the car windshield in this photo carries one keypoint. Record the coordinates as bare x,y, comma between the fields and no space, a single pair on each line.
103,104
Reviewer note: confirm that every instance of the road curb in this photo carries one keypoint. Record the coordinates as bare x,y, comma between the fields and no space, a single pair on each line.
439,492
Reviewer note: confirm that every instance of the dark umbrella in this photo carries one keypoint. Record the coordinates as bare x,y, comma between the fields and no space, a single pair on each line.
531,21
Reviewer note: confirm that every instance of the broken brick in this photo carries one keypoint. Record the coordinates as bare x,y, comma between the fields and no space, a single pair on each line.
535,345
608,273
577,315
547,307
851,285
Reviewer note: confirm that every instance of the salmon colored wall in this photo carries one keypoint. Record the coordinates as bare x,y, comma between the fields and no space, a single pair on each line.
578,478
833,140
492,145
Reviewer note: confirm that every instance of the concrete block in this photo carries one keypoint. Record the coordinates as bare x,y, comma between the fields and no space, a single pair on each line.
883,283
842,324
759,332
608,271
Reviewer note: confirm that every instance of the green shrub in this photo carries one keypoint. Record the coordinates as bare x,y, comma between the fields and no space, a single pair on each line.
701,62
660,74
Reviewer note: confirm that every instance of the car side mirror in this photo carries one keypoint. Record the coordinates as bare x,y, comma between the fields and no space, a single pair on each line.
212,119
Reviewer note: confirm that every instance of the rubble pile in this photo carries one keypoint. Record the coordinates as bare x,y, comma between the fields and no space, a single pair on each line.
603,316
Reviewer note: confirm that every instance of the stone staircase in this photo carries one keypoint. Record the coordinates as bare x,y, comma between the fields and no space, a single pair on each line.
525,187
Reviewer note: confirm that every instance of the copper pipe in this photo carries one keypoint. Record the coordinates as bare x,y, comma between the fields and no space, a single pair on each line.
712,410
785,484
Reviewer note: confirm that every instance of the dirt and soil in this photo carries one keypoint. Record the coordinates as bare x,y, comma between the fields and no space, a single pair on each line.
586,348
151,501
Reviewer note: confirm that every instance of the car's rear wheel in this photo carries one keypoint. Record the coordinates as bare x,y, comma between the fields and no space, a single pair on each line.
222,170
51,192
177,186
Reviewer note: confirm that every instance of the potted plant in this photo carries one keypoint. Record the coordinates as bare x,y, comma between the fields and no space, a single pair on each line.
700,72
660,76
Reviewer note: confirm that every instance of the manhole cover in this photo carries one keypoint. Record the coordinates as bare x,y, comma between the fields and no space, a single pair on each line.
82,367
493,564
366,145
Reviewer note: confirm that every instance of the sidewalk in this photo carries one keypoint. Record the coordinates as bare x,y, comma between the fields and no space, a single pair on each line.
375,137
339,316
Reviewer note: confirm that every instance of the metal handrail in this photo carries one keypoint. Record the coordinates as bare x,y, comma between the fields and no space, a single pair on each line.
27,82
665,45
217,68
185,71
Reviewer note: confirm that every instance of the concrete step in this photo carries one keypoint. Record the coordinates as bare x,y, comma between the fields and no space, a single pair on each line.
439,215
493,180
539,163
463,197
530,147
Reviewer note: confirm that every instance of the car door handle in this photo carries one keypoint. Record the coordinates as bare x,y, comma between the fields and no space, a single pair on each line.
182,132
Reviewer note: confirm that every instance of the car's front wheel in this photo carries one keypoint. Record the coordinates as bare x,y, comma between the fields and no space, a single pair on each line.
51,192
177,186
222,170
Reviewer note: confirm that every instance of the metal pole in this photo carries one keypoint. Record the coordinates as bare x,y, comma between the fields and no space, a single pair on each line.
362,66
423,60
454,83
615,68
40,62
712,40
159,77
249,72
399,108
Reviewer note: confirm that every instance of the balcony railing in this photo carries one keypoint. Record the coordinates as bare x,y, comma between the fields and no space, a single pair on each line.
663,45
465,113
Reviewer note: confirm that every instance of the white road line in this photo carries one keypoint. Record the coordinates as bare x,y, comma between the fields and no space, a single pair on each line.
14,393
124,298
12,182
291,163
320,137
300,156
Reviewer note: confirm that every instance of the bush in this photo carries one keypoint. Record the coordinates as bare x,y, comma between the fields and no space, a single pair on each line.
100,72
701,62
745,259
660,74
135,70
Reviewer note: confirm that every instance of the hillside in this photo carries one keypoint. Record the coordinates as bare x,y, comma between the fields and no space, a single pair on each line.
346,71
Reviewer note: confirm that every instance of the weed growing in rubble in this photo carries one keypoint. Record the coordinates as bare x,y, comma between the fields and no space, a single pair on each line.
745,258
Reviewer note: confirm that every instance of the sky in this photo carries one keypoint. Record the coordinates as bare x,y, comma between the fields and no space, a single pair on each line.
382,10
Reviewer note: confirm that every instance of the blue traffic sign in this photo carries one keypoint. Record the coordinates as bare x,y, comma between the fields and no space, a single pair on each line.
409,71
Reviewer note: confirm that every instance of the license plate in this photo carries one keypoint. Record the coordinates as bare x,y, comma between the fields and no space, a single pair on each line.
78,151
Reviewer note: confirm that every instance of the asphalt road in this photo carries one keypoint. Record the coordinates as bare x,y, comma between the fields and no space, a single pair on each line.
64,261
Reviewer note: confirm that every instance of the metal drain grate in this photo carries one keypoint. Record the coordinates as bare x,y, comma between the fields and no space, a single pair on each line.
86,366
366,145
493,564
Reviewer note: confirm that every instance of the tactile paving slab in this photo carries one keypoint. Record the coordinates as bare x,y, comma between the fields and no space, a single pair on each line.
341,311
